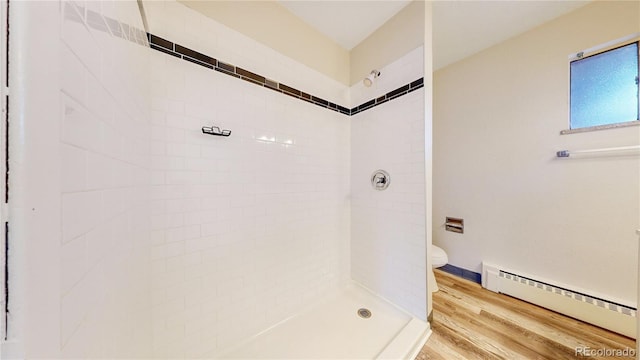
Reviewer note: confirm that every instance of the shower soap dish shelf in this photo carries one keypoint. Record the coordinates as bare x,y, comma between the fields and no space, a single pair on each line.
215,130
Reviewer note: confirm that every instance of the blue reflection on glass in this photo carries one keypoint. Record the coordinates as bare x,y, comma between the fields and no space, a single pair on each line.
604,88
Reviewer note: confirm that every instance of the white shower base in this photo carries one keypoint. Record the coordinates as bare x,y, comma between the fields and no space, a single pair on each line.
332,329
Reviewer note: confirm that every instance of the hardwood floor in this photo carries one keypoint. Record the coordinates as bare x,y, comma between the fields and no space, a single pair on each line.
470,322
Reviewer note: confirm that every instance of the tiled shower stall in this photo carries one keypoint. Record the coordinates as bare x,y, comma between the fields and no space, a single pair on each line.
140,236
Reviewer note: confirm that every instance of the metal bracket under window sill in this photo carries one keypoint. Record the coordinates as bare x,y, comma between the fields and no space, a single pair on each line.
601,127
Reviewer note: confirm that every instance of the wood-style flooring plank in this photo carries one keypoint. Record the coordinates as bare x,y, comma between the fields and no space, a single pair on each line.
505,308
470,322
441,350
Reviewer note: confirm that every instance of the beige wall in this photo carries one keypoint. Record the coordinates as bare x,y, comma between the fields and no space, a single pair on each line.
399,35
292,37
497,118
283,32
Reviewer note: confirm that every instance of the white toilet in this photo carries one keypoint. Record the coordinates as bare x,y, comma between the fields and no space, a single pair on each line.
438,258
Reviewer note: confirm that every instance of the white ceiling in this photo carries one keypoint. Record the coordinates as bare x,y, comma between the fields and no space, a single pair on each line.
460,28
345,22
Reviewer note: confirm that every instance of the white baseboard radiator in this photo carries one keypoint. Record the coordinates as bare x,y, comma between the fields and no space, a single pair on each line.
591,309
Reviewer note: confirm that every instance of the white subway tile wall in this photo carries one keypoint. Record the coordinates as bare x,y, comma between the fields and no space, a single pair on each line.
177,244
246,229
104,99
388,253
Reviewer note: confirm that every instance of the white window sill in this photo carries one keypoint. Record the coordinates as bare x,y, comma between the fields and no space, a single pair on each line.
601,127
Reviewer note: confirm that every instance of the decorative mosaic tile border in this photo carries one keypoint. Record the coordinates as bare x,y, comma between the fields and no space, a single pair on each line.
94,20
108,25
179,51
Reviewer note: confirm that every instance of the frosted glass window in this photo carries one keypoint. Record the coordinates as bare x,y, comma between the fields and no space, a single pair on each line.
604,88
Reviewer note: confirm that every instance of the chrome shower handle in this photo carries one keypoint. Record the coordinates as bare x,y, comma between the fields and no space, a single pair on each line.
380,180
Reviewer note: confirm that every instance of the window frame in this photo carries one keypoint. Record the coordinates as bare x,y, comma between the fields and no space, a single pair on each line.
603,48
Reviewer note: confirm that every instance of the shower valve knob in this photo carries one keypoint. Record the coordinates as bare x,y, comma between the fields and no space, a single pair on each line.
380,180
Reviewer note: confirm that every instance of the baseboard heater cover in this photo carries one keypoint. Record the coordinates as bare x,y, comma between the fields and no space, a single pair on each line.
597,311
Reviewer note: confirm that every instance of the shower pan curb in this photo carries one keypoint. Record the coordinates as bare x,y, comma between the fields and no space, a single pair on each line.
390,333
408,343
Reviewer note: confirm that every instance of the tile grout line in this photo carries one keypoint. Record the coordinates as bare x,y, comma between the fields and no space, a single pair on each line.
184,53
